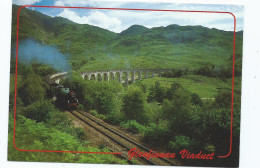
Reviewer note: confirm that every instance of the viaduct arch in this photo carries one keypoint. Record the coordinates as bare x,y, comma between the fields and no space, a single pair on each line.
123,76
129,74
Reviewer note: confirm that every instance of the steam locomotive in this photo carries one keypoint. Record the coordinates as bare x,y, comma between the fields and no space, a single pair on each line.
64,97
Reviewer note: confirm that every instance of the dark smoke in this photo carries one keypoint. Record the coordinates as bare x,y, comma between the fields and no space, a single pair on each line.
30,51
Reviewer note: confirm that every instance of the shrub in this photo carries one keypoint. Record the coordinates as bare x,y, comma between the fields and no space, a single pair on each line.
80,134
133,126
157,136
62,122
225,73
175,73
115,117
39,111
209,148
223,99
183,142
94,113
205,71
32,135
196,100
143,87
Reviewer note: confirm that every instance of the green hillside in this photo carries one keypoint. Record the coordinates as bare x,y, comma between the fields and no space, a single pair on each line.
133,30
93,48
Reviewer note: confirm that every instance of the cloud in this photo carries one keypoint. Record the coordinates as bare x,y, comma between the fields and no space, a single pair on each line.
95,18
91,3
100,19
118,20
155,19
73,16
25,2
221,26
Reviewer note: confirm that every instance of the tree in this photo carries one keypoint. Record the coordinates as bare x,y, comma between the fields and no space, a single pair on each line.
42,69
171,91
154,113
105,97
225,73
133,105
223,99
26,70
206,71
195,99
157,93
32,90
177,111
78,85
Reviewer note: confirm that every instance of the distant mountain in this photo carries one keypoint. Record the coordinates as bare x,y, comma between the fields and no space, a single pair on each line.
65,34
92,47
133,30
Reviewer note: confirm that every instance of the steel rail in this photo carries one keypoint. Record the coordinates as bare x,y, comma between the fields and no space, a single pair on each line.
113,139
122,136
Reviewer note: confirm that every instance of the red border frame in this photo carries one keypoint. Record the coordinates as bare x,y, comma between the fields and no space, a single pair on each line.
18,15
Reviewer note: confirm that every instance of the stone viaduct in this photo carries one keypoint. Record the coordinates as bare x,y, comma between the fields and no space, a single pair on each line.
127,74
123,76
55,78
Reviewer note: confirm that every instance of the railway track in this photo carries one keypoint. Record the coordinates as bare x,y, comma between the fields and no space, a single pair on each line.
125,143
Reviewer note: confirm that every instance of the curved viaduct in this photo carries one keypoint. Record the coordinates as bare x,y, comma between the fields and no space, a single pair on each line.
129,74
55,78
122,76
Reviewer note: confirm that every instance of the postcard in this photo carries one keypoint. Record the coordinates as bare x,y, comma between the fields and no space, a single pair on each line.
128,83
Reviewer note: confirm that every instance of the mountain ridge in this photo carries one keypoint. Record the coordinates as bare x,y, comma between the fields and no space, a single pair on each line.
91,47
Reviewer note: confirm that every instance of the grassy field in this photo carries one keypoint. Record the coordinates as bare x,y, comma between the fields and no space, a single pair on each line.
205,87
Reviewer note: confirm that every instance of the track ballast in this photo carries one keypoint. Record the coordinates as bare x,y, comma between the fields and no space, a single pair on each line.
124,142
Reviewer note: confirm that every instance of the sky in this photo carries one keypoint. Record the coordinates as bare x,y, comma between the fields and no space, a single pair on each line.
119,20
